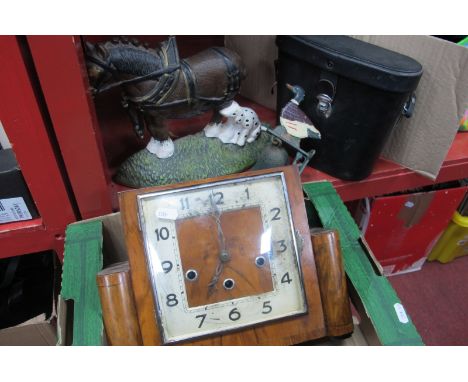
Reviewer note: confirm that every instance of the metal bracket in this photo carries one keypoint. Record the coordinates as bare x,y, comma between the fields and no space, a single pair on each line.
302,157
408,108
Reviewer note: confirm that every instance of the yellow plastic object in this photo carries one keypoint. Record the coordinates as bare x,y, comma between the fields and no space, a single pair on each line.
454,241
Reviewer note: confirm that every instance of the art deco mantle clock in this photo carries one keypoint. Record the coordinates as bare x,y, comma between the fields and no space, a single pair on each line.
223,261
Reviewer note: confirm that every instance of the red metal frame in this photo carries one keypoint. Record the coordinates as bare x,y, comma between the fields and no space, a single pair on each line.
62,75
24,124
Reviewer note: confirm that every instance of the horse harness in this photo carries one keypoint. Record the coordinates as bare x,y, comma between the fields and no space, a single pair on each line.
166,80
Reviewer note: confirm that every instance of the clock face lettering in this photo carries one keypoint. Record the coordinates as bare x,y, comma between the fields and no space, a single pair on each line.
221,256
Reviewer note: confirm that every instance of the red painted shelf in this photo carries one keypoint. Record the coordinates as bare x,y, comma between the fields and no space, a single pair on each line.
24,225
30,236
95,136
387,177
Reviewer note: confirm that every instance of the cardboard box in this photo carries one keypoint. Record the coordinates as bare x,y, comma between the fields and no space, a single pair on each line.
402,229
94,243
419,143
29,335
35,332
16,203
28,291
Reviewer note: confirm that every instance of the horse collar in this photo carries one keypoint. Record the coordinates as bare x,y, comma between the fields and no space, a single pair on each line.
103,64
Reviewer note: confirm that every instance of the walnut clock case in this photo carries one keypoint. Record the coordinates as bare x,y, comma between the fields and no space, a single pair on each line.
224,261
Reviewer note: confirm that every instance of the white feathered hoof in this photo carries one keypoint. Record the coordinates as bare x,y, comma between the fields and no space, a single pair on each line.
162,149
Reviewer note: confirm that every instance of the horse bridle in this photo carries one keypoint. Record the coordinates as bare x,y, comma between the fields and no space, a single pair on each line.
108,68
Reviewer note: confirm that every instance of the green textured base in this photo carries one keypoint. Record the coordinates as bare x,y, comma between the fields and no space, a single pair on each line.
195,157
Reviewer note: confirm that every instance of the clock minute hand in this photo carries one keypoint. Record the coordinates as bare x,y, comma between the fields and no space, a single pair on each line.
223,256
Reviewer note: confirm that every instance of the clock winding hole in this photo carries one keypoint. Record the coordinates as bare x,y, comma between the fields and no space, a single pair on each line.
191,275
260,261
228,284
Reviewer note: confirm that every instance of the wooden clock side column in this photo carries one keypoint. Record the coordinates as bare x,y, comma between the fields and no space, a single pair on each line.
332,280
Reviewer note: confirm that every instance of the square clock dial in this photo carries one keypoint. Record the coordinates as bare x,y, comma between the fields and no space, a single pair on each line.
221,256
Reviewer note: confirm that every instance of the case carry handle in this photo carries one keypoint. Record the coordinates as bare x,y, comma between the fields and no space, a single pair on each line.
327,91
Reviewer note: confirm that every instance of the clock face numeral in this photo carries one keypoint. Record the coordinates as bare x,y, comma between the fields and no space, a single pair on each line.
184,202
217,198
266,307
171,300
234,315
166,266
282,246
162,233
202,319
275,212
286,279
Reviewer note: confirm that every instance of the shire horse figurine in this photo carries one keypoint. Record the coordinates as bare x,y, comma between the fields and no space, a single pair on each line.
158,85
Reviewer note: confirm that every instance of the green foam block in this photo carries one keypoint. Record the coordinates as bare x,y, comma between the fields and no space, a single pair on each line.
376,293
82,261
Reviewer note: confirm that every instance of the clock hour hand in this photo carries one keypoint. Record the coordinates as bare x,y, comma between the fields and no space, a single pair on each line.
215,278
224,258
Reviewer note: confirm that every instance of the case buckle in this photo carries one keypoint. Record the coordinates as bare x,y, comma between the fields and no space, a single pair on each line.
324,105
